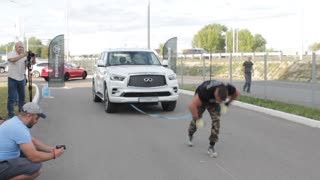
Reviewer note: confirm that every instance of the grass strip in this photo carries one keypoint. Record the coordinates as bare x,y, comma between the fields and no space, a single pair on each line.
4,99
299,110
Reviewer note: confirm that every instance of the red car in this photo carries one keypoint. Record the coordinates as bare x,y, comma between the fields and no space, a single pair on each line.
70,71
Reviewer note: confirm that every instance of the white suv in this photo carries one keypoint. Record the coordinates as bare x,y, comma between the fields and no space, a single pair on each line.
133,76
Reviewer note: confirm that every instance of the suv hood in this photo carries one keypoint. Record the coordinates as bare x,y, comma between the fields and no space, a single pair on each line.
139,69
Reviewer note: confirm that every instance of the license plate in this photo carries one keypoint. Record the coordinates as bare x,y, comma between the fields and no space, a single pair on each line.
148,99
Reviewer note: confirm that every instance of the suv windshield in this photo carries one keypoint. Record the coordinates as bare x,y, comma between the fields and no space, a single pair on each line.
132,58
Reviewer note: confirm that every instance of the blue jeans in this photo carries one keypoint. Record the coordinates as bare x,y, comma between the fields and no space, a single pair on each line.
247,84
15,88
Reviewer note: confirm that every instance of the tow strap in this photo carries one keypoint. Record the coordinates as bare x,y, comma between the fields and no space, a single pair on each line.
187,116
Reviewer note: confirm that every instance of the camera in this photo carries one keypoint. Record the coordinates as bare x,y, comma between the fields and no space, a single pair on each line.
29,68
61,146
31,54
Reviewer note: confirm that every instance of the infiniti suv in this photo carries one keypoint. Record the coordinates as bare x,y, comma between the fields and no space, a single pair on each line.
133,76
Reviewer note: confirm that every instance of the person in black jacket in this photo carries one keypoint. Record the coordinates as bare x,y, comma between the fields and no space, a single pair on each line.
209,95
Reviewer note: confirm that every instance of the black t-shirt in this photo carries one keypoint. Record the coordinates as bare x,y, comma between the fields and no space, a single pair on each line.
206,90
247,66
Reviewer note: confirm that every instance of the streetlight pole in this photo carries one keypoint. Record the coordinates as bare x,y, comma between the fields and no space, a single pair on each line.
149,24
227,42
233,40
27,43
237,35
18,26
301,33
67,33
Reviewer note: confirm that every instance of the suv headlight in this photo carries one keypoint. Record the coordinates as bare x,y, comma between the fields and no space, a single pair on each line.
172,77
115,77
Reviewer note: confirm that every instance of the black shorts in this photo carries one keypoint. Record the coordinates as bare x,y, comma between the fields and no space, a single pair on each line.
18,166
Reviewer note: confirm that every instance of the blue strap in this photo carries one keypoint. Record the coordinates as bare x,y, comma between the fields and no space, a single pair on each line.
187,116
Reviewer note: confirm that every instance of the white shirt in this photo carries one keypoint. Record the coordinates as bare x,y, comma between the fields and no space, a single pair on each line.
16,70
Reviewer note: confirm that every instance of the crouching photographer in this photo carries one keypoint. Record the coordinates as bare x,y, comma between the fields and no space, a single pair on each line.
21,154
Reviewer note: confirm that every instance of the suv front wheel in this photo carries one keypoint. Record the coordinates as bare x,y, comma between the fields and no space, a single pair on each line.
94,95
169,106
109,106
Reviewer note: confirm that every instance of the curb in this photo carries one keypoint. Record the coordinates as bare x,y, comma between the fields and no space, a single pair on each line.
37,95
271,112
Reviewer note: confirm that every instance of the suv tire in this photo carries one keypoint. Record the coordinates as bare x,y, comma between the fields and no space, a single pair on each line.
84,75
66,77
94,95
169,106
109,106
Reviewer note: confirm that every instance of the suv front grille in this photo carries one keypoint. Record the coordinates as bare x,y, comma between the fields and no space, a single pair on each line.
147,81
149,94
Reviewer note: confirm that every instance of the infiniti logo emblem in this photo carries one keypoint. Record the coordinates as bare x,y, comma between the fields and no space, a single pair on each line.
148,80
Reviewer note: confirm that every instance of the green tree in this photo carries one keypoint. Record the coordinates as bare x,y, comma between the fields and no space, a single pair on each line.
246,42
45,50
161,49
251,43
7,47
210,38
228,38
35,45
314,47
259,43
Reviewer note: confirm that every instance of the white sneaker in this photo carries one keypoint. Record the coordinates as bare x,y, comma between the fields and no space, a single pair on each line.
190,140
212,153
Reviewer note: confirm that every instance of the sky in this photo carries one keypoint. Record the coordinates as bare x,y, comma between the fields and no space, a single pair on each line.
94,25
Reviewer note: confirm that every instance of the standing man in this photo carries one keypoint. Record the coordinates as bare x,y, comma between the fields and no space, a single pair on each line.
208,96
16,77
20,153
248,70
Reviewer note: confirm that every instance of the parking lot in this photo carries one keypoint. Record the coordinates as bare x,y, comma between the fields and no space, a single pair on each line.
103,146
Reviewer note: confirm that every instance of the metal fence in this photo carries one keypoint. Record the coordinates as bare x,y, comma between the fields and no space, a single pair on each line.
87,63
276,76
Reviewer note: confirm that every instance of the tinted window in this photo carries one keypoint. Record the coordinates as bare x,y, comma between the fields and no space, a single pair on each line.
132,58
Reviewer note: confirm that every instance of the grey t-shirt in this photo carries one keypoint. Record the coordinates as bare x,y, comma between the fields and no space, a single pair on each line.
16,70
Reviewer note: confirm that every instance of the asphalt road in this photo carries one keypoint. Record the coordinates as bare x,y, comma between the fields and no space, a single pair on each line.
130,145
305,94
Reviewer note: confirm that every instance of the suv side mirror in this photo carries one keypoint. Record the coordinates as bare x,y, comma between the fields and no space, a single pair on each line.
100,63
165,63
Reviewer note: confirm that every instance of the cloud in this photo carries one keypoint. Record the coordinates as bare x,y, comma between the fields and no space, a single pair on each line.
125,22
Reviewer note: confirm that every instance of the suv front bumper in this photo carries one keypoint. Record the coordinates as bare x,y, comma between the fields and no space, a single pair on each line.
143,95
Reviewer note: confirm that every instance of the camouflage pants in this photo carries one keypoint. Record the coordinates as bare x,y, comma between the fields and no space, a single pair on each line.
214,111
